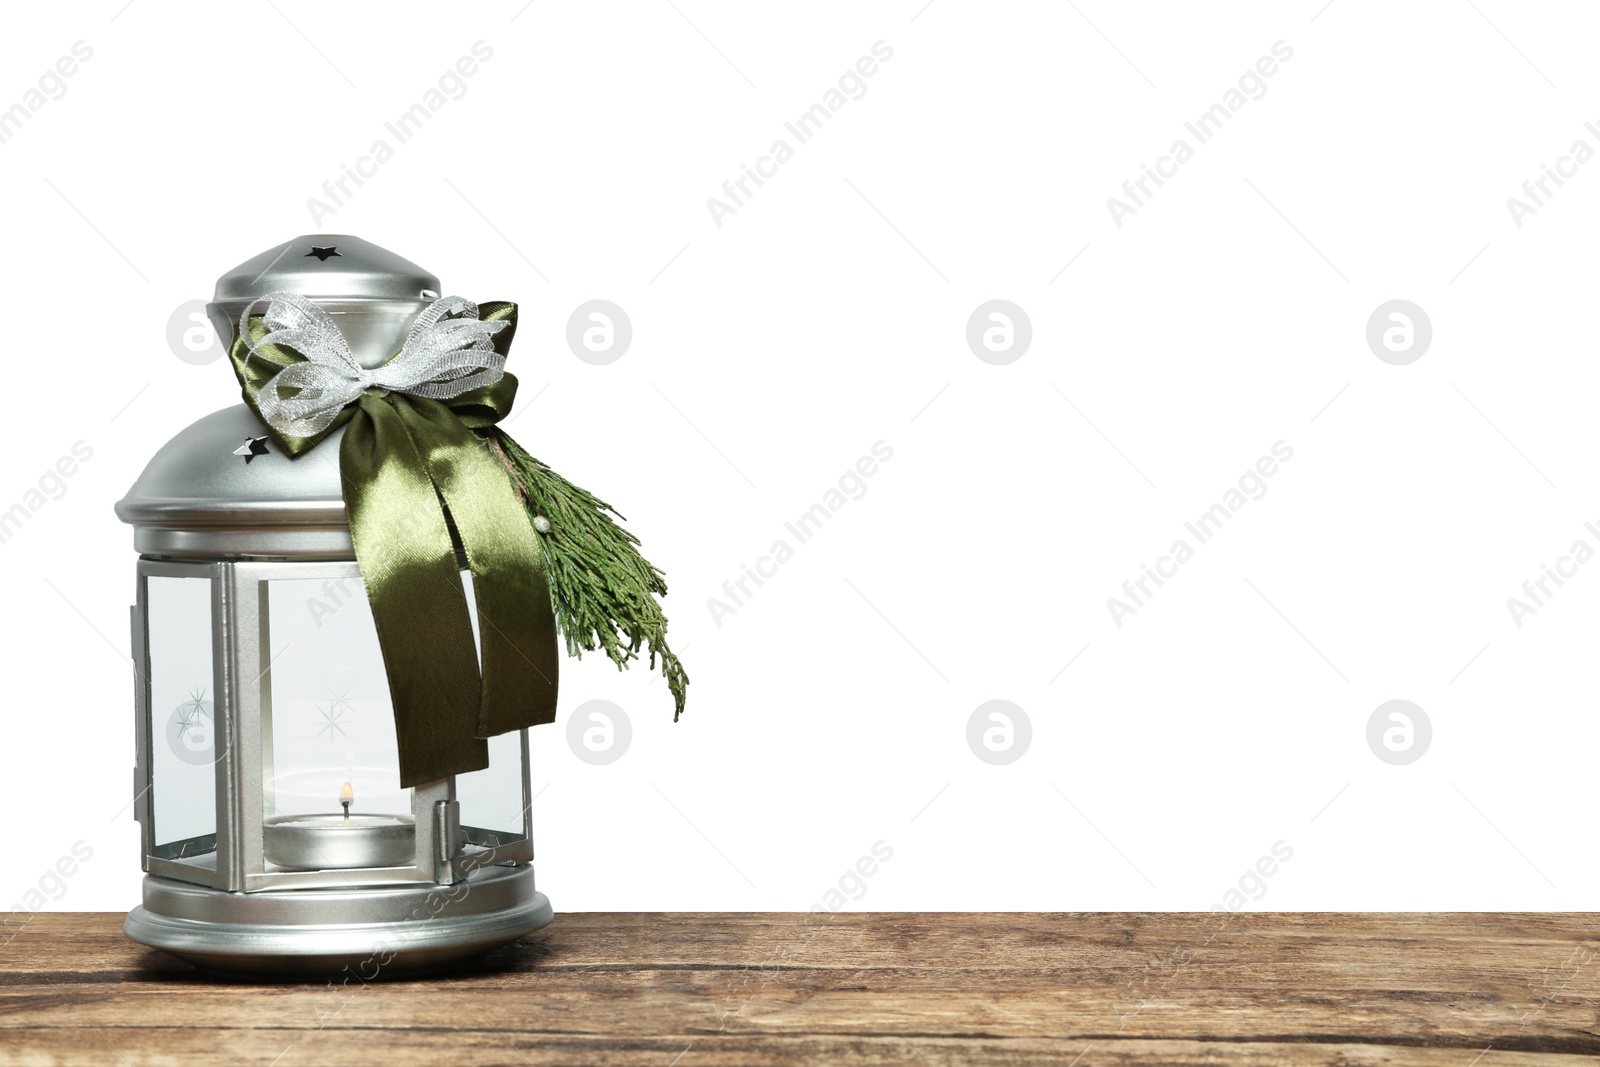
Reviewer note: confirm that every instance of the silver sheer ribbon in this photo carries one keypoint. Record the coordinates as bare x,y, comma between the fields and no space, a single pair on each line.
448,352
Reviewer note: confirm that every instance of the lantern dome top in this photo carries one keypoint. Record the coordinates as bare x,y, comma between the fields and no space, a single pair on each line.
332,266
222,487
372,293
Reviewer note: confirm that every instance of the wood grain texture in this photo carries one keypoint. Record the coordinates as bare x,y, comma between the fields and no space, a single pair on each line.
683,990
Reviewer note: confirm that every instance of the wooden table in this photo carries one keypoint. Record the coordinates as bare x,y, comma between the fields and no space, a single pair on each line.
690,990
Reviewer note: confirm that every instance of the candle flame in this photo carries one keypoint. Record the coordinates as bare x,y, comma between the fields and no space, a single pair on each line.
346,794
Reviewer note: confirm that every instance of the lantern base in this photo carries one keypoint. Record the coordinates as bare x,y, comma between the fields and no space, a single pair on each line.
361,933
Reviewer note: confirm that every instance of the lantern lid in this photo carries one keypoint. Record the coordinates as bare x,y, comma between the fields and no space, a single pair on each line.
222,487
324,265
372,293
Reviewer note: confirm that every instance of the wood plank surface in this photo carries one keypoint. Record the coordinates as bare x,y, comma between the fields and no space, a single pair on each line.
680,990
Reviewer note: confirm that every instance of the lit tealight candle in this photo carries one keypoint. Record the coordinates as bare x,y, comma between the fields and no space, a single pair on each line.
340,842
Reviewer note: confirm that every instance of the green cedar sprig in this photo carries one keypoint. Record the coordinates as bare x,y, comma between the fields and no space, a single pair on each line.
602,590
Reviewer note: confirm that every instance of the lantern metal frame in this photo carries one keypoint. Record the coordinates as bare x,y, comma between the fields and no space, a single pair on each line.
242,738
215,898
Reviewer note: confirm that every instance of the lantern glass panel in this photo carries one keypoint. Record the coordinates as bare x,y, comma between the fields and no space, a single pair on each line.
183,727
330,717
493,805
493,809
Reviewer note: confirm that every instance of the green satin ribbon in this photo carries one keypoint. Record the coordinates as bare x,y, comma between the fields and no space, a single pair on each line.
419,484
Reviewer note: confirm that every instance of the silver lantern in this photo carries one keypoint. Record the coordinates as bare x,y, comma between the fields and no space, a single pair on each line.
275,835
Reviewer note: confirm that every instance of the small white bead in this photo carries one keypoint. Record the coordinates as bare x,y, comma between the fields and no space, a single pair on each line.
541,524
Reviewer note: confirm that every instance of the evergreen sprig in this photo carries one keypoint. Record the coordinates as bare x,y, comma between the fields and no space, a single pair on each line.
601,589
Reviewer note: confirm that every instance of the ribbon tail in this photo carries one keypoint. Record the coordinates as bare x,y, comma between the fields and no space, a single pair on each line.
516,624
408,561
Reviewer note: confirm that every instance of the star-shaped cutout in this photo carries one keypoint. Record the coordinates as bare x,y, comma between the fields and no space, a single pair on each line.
252,447
322,253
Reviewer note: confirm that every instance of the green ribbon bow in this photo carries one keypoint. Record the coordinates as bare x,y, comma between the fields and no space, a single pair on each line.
422,492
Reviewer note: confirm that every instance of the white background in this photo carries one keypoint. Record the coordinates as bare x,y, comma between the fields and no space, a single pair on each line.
828,313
